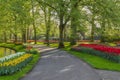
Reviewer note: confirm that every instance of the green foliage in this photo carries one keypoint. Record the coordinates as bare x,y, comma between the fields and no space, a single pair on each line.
32,51
13,46
66,17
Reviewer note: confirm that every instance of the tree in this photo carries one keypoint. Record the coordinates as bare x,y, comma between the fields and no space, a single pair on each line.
62,10
47,20
74,20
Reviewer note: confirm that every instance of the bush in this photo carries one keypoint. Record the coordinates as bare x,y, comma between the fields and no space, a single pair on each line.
32,51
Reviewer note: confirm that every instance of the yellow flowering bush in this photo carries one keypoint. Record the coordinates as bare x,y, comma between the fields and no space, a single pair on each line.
14,65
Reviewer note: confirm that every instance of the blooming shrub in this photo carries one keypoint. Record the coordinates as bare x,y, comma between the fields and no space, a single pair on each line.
11,66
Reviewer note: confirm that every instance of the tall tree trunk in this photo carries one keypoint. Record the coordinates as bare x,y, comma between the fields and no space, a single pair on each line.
5,36
47,35
92,29
65,35
103,31
61,29
47,23
24,37
73,31
34,28
15,36
73,35
74,22
10,37
61,40
28,34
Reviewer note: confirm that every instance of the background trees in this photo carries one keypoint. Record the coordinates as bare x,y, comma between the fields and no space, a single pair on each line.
65,20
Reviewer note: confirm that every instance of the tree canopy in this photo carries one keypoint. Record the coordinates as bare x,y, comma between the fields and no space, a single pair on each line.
66,20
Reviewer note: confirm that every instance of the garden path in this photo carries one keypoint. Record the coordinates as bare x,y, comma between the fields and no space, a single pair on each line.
56,64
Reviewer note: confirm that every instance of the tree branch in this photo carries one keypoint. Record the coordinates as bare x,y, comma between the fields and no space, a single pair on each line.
40,2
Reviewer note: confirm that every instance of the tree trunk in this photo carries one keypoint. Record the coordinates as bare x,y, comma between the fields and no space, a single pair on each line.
73,35
15,36
74,23
28,34
65,34
35,35
103,31
34,28
5,37
61,40
10,37
47,23
47,36
73,31
92,30
24,37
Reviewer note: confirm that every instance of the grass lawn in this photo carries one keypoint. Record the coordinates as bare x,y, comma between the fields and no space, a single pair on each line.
56,44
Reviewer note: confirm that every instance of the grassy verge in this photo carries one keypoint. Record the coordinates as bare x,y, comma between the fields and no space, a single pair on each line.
25,70
56,44
95,61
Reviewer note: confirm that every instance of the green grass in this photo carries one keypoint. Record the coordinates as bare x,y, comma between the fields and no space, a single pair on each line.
26,69
112,44
40,43
95,61
56,44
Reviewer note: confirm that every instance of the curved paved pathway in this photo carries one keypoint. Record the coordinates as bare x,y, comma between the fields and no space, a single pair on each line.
56,64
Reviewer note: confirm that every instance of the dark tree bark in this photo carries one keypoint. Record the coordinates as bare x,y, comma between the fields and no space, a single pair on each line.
92,29
61,28
61,39
47,23
103,31
24,37
5,36
15,37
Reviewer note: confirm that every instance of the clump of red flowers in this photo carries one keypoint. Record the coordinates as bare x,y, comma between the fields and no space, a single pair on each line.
103,48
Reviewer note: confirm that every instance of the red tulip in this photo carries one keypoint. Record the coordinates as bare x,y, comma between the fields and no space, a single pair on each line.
103,48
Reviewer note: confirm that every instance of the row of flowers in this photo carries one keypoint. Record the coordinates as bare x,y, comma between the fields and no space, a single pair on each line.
11,66
12,56
88,50
103,48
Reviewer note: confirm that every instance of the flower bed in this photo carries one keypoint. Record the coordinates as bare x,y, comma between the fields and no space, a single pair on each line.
12,56
92,50
107,49
11,66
